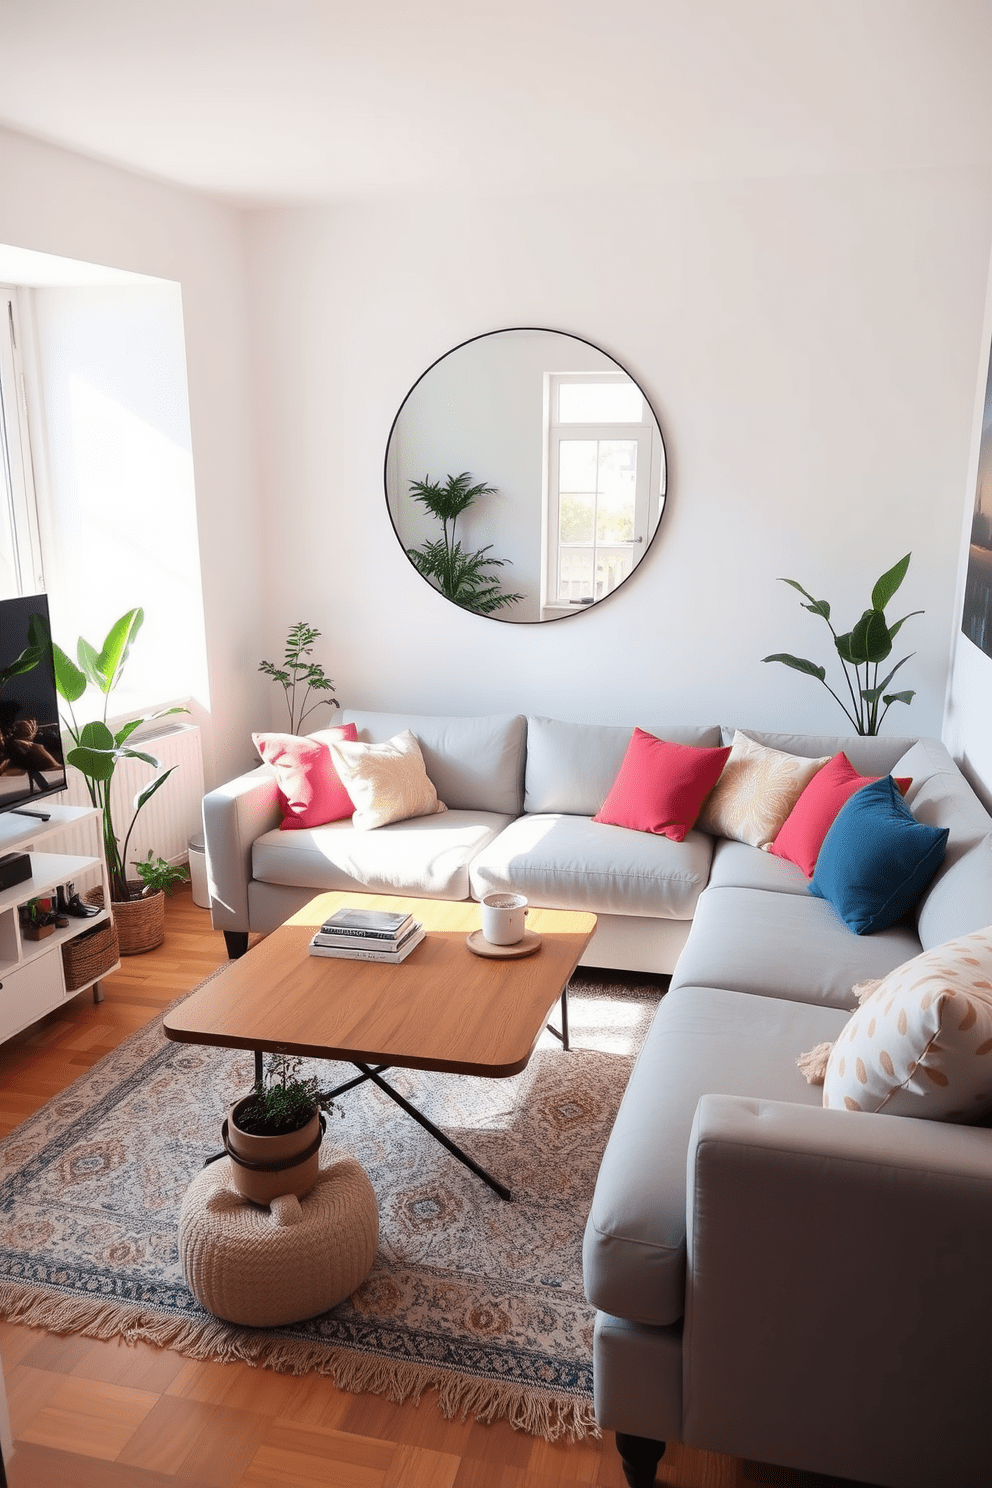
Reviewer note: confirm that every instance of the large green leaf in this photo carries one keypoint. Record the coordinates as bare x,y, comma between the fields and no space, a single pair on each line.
897,627
148,759
887,585
70,682
868,641
97,764
89,660
899,697
798,664
149,790
816,606
96,735
118,644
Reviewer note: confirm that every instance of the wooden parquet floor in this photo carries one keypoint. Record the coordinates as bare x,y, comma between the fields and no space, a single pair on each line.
91,1414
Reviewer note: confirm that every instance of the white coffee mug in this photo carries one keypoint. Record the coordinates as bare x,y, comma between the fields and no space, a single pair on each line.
503,918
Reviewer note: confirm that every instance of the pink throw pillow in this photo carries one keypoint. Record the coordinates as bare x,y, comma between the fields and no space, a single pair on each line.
660,787
804,829
310,792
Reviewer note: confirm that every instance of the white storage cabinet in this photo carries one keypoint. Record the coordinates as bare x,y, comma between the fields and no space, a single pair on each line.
31,977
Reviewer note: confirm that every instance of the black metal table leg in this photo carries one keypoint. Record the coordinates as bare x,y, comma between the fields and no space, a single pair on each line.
562,1033
435,1131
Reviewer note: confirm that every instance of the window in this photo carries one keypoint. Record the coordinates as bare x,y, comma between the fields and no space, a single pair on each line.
97,502
605,484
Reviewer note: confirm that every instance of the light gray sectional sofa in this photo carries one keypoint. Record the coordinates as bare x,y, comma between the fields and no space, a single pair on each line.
774,1280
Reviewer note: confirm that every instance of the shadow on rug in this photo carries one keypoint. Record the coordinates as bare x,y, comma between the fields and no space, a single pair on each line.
476,1298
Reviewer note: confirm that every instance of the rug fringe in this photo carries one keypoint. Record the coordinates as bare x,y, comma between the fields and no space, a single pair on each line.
536,1412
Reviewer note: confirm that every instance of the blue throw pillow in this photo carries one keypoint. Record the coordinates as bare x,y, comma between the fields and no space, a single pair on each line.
877,859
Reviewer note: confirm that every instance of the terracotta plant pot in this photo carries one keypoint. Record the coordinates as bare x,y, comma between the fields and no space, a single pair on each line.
279,1167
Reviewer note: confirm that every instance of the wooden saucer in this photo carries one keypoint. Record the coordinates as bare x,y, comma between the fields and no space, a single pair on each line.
478,944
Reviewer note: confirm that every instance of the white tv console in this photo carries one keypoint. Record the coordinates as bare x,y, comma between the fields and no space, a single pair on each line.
32,982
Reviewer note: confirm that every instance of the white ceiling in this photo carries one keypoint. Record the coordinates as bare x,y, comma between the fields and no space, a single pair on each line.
275,101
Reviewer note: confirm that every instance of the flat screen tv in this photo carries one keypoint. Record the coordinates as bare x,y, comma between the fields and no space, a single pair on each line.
31,761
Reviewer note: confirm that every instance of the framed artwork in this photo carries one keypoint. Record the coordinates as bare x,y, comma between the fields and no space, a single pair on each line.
976,619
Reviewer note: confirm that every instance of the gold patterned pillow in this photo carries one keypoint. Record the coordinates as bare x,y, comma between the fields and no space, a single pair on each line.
920,1044
386,782
757,790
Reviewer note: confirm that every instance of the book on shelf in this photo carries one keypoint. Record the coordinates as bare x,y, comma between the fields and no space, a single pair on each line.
367,950
375,924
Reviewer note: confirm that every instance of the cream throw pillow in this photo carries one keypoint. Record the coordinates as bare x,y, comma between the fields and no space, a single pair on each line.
757,790
920,1044
386,782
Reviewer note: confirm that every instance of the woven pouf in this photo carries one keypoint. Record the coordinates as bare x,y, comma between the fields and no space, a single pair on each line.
296,1258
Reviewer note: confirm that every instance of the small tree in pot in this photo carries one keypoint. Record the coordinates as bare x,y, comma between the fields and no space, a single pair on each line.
96,754
273,1135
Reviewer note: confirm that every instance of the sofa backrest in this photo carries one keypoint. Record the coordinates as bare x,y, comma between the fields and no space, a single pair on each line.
571,766
870,755
959,900
475,764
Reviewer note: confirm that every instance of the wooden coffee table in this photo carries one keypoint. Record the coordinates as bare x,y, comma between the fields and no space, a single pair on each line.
443,1008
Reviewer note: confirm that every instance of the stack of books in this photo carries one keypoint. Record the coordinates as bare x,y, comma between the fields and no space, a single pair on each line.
367,935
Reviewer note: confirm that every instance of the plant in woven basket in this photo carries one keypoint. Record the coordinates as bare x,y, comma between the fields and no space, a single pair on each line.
97,750
282,1101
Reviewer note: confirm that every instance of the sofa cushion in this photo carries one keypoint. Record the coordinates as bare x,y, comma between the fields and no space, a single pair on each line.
570,862
877,859
921,1043
872,754
310,790
704,1040
572,766
756,792
428,856
661,786
735,865
784,945
386,782
475,764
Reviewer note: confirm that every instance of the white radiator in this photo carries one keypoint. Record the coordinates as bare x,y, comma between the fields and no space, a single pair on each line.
167,821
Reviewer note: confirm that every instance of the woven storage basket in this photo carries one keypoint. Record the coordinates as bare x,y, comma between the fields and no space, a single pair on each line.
88,956
140,922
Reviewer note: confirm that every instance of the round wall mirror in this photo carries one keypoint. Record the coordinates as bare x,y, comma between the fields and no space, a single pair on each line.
525,475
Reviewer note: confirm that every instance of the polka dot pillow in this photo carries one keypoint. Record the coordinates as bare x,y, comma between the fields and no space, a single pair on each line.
920,1044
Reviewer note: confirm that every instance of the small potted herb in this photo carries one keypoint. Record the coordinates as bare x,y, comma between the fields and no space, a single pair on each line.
273,1135
37,919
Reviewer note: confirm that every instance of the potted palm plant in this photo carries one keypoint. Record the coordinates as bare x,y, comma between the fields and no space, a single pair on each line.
461,575
97,751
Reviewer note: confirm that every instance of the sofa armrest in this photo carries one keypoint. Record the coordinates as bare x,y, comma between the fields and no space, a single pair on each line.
233,816
837,1292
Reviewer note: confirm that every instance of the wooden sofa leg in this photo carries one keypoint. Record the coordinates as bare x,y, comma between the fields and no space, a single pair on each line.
237,943
640,1457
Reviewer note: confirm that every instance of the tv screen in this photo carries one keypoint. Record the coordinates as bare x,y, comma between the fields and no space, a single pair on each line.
31,761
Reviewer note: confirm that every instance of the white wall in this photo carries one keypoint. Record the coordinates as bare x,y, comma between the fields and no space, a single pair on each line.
809,345
56,202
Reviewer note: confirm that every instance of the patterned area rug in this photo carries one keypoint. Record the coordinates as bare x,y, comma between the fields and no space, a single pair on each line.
478,1299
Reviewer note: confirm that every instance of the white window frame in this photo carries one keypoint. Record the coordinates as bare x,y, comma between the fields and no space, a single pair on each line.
18,491
650,478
